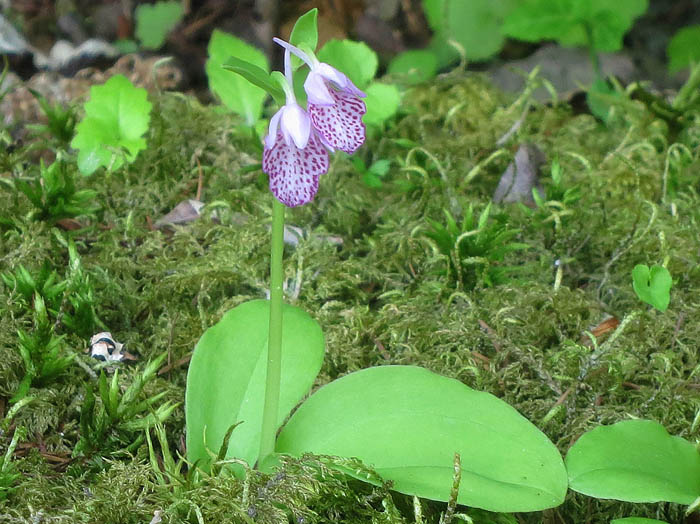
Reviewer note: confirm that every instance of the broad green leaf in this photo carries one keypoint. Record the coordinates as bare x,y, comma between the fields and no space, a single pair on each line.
155,21
683,48
434,13
652,286
305,32
382,102
573,23
355,59
257,76
414,66
226,378
634,461
116,117
637,520
407,423
235,92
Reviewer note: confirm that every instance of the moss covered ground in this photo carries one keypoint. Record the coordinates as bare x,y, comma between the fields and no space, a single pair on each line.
385,295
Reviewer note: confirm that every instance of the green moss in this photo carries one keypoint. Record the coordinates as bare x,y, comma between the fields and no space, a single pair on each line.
380,296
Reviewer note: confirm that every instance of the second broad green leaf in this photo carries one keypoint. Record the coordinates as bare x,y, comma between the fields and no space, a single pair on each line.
634,461
407,423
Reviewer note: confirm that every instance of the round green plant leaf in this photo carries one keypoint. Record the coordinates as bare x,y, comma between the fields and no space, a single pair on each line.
382,102
414,66
116,117
637,520
355,59
407,423
634,461
652,286
226,378
475,25
155,21
684,48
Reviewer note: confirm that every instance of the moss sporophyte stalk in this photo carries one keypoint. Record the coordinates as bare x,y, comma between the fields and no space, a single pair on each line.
295,155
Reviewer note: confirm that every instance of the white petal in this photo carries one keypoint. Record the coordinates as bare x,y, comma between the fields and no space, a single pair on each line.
272,129
317,90
296,124
339,79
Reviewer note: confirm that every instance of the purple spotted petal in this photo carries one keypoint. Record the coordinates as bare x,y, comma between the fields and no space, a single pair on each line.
340,124
294,172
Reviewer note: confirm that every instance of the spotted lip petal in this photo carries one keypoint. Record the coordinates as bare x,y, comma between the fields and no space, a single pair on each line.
340,124
294,172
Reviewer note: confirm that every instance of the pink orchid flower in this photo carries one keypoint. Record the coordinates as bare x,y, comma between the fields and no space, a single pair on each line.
293,156
334,103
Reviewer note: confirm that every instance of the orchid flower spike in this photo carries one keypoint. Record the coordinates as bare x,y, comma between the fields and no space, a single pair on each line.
334,103
293,156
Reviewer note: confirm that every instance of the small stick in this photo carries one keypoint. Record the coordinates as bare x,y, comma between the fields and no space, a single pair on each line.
199,181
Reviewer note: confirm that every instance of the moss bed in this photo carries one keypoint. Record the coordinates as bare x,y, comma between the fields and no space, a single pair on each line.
382,296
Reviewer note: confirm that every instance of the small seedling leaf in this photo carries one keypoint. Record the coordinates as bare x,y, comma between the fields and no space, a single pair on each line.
226,378
407,423
235,92
116,117
652,286
634,461
305,33
155,21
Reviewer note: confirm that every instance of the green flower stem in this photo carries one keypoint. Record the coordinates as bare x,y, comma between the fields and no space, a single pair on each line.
274,344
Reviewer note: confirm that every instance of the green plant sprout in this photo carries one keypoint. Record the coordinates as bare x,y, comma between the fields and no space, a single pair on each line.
116,117
120,418
42,351
249,370
373,175
555,206
652,285
474,250
53,304
9,475
54,194
61,120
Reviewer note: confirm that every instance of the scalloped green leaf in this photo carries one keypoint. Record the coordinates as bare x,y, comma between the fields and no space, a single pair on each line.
407,423
116,117
566,21
234,91
634,461
226,378
155,21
